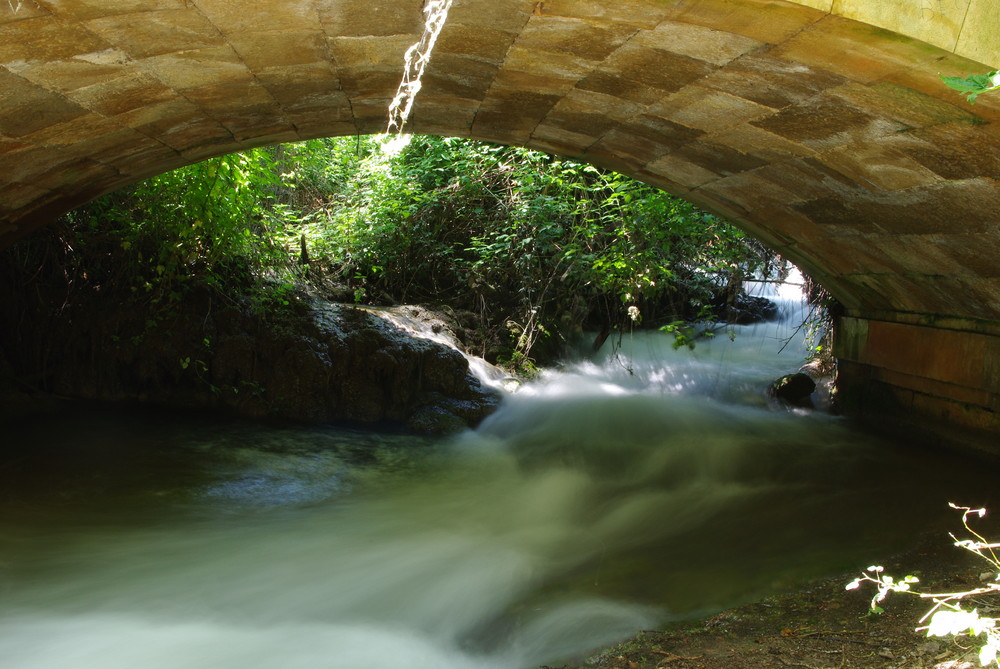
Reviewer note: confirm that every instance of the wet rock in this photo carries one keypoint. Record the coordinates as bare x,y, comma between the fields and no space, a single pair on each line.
793,389
745,309
316,362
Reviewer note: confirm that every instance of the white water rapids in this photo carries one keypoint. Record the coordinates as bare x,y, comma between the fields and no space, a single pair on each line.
597,502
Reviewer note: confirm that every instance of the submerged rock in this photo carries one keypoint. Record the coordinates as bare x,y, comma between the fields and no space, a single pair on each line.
793,389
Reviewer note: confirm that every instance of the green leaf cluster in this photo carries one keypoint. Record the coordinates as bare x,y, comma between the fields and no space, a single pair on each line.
973,85
539,246
542,245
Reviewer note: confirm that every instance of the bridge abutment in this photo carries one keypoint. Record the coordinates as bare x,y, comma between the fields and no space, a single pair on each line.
940,377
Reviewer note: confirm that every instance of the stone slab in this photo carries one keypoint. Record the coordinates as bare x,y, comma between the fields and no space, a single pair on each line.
159,32
978,39
922,20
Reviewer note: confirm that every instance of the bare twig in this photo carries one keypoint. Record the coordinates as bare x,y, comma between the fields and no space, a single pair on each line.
672,657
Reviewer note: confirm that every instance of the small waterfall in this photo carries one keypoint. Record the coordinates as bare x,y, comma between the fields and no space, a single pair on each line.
428,325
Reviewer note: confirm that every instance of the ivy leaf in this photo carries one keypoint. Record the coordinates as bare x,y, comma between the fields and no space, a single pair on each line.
973,84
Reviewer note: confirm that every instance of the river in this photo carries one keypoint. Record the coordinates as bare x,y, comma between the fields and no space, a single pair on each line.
644,486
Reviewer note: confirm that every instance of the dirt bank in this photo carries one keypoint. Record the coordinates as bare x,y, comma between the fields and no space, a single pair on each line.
821,626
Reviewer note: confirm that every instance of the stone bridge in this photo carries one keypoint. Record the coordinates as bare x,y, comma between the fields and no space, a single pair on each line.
820,126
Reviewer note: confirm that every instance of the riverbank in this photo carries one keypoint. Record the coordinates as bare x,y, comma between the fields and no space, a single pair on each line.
819,626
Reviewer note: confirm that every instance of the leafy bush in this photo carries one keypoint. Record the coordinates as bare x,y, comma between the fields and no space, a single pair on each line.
537,246
948,615
536,243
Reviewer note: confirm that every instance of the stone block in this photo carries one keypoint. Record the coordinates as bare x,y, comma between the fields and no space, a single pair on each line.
160,117
626,90
698,42
26,108
65,76
931,210
442,116
274,48
824,123
546,74
880,168
810,178
751,192
822,5
481,41
372,52
765,146
158,33
458,87
361,84
847,48
909,107
966,251
583,39
310,125
644,138
681,171
45,39
518,104
315,83
90,9
769,21
250,127
709,109
74,132
504,15
234,16
364,18
29,9
772,82
194,135
199,67
720,159
498,125
651,67
14,196
978,38
247,95
920,20
639,13
123,94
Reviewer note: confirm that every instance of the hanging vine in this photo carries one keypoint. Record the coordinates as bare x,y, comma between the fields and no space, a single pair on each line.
415,61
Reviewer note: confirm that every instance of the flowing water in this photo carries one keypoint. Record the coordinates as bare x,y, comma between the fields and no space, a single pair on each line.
620,493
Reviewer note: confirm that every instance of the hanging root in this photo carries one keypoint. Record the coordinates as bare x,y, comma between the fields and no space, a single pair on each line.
415,60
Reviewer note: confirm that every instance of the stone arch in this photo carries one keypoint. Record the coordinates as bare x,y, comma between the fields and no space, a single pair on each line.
820,126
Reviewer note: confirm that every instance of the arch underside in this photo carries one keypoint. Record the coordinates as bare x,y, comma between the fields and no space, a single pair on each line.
832,140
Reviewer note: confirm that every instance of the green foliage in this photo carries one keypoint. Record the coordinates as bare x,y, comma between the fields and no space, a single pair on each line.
537,246
948,616
973,85
210,222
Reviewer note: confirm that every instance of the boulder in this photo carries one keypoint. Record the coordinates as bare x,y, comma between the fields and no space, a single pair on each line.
793,390
315,361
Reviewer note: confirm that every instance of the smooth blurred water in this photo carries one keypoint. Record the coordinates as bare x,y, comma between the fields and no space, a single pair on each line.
616,494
